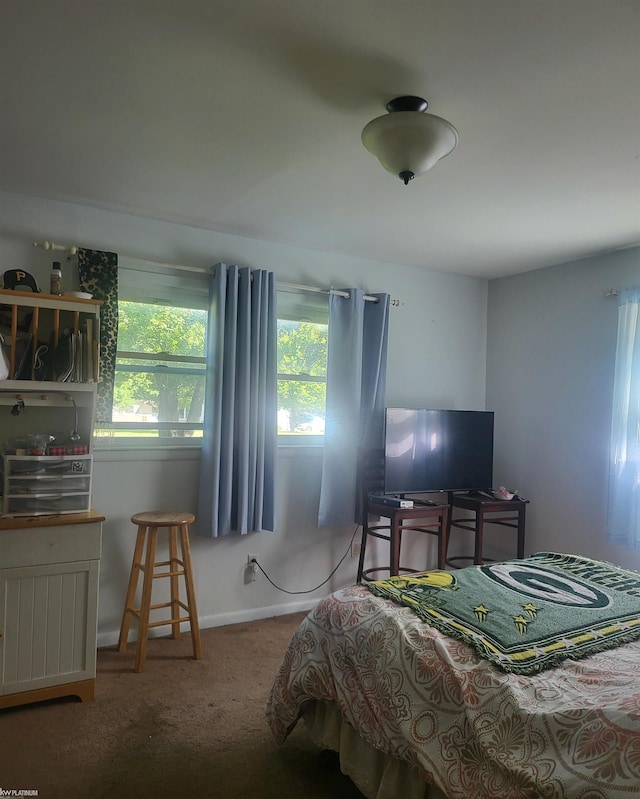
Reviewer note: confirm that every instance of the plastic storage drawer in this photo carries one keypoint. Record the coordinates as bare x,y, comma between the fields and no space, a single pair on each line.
45,484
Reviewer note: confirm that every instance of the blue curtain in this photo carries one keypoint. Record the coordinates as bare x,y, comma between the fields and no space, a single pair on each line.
239,448
356,382
624,475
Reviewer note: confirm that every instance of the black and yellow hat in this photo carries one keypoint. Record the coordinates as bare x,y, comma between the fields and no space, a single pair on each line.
19,280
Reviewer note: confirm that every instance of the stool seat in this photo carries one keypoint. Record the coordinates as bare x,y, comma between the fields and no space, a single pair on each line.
149,523
163,518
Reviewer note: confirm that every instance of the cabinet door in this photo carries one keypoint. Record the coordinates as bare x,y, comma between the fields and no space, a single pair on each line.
49,619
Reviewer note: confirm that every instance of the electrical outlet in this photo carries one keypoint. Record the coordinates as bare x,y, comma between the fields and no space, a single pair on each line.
252,567
355,549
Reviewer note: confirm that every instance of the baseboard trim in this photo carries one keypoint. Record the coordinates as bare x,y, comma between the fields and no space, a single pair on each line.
110,637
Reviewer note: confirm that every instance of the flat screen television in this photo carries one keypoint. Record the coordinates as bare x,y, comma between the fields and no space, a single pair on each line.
437,450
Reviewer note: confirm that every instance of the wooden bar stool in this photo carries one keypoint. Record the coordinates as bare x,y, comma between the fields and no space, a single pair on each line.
148,525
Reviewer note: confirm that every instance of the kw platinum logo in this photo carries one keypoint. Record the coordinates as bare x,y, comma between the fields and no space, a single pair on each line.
536,581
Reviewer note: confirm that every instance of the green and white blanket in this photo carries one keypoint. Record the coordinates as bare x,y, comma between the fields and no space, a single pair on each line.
527,615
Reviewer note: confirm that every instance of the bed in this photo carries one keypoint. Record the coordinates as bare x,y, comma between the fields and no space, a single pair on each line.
416,713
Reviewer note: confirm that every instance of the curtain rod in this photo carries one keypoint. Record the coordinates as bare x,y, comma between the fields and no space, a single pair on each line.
72,250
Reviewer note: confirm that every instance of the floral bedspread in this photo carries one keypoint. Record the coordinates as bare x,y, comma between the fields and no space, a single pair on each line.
572,732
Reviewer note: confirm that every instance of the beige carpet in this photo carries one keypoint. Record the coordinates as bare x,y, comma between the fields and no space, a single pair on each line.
182,728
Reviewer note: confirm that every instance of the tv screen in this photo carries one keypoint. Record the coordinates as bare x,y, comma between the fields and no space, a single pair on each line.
437,450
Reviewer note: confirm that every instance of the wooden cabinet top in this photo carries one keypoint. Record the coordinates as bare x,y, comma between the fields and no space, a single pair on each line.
41,300
58,520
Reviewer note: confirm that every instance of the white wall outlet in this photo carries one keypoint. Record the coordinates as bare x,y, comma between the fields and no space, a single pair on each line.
252,566
355,549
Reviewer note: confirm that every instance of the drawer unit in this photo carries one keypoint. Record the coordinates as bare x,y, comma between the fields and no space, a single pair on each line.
45,484
40,543
80,484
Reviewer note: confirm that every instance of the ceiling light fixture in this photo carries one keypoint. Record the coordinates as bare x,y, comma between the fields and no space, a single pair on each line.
406,141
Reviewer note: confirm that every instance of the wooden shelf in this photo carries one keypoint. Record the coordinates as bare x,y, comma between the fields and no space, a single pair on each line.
49,316
40,300
44,387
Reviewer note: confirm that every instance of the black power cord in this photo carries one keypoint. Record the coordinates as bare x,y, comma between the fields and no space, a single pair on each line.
310,590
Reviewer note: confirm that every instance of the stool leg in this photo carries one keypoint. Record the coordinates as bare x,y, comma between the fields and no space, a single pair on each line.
175,588
191,594
136,563
145,604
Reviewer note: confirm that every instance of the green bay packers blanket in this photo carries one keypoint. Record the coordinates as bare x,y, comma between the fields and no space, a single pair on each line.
526,615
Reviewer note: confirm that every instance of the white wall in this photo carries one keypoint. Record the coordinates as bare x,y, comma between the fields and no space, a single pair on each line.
437,357
550,361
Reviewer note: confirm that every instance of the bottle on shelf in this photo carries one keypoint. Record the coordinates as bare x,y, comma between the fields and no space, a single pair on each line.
56,278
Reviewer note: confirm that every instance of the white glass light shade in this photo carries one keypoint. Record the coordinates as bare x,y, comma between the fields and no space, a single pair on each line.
409,142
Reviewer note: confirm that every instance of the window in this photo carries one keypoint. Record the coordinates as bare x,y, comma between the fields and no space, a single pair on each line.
159,385
302,366
160,363
624,477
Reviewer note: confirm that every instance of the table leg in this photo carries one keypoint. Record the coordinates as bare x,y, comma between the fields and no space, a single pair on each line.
443,538
477,557
521,512
394,545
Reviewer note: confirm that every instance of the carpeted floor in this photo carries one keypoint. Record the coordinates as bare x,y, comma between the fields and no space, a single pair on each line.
182,728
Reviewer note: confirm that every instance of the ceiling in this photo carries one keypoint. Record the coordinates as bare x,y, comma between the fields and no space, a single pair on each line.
244,117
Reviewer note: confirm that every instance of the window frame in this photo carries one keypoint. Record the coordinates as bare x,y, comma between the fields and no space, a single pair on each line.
144,282
300,305
154,284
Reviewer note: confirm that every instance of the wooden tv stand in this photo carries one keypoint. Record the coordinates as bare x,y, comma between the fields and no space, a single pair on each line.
503,512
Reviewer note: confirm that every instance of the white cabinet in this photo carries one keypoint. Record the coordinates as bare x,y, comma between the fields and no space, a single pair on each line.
50,539
47,406
48,607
